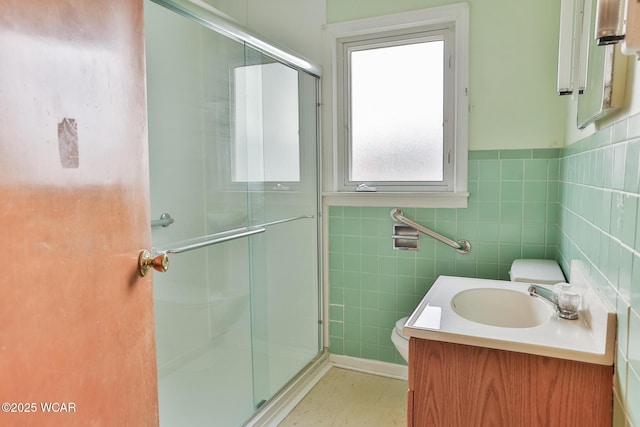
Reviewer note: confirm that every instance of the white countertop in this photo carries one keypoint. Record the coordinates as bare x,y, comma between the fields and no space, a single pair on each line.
591,338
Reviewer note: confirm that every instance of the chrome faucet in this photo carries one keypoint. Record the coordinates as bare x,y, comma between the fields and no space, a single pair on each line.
565,310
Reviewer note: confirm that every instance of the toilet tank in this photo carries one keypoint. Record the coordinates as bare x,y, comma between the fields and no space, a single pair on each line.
539,271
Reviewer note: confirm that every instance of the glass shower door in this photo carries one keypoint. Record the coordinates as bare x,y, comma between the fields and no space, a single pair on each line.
233,159
202,304
279,134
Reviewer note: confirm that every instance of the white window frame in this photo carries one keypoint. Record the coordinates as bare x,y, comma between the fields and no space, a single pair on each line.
346,47
455,195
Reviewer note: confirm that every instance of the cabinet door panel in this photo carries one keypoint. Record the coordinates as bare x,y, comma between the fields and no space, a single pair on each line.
460,385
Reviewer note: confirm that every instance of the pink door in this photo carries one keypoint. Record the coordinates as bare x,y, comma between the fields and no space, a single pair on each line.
77,343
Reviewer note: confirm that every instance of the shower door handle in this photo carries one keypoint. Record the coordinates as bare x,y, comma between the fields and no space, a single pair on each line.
146,262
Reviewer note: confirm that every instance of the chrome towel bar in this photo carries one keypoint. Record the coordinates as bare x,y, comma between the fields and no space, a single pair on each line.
214,239
461,246
225,236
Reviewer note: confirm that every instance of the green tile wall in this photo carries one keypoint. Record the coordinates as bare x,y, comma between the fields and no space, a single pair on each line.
512,213
600,225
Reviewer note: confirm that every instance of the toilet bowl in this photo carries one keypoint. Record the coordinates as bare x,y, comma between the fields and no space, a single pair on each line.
400,341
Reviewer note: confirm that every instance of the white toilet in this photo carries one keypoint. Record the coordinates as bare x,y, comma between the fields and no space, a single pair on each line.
538,271
400,341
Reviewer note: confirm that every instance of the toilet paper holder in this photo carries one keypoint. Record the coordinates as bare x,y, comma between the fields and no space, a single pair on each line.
405,238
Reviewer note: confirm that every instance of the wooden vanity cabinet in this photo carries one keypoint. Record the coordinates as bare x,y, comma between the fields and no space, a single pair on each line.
460,385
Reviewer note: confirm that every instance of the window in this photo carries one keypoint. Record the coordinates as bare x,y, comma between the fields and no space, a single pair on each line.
400,108
394,128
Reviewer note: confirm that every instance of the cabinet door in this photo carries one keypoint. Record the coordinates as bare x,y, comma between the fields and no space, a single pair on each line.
459,385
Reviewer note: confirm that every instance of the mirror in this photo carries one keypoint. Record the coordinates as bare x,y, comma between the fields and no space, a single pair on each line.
604,65
266,143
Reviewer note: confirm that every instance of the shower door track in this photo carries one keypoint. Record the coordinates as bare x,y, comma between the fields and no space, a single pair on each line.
213,19
225,236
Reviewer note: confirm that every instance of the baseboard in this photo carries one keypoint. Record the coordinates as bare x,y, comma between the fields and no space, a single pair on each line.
376,367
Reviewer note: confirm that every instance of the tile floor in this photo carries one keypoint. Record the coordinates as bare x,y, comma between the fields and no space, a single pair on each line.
352,399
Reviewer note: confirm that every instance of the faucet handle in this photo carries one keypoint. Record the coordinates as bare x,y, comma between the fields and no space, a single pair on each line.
569,300
558,288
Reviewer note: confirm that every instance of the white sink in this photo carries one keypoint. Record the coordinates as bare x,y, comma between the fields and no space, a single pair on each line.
502,315
501,307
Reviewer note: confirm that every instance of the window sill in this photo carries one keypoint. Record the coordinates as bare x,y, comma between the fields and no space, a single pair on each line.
406,200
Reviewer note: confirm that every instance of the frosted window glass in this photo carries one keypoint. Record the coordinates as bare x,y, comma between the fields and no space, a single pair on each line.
397,113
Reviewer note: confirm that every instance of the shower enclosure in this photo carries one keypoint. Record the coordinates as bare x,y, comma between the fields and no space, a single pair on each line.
233,135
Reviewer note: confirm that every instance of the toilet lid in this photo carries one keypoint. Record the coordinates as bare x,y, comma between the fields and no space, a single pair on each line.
399,325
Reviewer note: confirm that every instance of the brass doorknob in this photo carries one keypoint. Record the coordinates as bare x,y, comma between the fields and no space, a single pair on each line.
146,262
